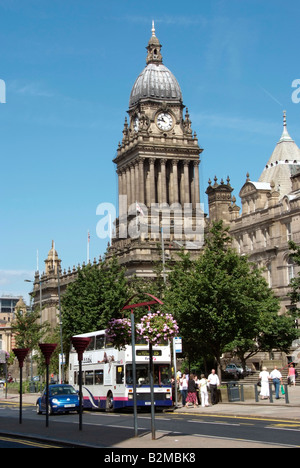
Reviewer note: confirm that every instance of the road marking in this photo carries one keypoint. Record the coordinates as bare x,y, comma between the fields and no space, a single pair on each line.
282,428
27,442
213,422
246,440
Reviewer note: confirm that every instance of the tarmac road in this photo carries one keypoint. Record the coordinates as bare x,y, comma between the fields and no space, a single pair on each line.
225,425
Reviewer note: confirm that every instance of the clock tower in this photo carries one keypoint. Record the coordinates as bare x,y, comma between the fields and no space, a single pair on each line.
157,164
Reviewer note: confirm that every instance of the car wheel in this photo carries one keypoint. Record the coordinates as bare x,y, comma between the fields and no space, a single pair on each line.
38,409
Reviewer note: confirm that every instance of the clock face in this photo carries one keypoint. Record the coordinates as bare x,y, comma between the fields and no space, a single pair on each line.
164,121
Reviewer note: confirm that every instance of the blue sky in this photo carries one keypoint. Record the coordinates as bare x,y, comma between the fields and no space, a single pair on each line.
69,66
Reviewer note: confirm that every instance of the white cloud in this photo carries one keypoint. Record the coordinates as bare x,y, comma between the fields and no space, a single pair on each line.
30,89
12,283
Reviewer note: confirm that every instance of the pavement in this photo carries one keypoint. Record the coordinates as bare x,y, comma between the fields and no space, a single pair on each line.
69,434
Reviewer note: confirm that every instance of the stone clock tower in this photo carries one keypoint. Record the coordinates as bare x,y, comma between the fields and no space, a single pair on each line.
158,170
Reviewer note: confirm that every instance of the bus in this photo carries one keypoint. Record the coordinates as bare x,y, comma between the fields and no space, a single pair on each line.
107,376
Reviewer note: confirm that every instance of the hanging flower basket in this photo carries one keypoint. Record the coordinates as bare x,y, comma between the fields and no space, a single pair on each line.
119,332
157,327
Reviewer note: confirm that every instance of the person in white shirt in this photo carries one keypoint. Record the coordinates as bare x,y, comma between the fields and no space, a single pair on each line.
203,391
264,377
183,387
277,380
214,382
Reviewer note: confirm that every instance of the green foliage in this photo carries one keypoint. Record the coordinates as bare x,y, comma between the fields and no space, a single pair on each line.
223,303
27,329
295,283
98,294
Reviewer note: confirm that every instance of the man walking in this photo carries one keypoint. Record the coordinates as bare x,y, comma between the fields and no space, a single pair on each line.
214,382
277,380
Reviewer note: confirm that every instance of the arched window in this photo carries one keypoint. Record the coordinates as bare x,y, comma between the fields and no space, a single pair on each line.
290,270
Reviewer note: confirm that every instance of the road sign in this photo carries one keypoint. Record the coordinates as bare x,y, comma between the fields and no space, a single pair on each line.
178,344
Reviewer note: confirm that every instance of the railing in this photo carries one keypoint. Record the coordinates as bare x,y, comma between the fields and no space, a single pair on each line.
238,392
286,393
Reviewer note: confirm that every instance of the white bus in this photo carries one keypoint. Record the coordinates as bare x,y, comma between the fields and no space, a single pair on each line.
108,378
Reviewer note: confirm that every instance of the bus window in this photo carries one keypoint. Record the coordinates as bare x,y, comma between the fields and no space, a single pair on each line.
100,341
119,374
99,377
89,378
162,374
142,374
91,345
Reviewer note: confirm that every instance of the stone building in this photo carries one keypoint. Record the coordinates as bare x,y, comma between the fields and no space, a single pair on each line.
157,163
158,171
269,219
270,215
7,339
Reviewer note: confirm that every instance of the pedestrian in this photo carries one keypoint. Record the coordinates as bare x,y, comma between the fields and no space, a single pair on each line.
203,391
264,377
197,381
277,380
214,382
183,387
292,375
192,392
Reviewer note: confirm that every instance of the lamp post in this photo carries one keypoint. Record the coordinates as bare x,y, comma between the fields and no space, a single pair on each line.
47,350
80,345
130,307
21,354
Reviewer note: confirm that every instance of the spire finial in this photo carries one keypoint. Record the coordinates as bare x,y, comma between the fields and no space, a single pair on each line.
153,29
285,134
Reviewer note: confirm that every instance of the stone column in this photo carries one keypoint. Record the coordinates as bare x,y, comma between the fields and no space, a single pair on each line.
120,179
136,181
128,186
141,181
163,181
152,180
132,181
186,182
196,182
175,181
124,181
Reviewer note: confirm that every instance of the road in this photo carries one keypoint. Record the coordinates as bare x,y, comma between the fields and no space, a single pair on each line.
117,428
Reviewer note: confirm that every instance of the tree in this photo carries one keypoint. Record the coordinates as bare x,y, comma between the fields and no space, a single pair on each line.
222,301
295,282
27,330
98,294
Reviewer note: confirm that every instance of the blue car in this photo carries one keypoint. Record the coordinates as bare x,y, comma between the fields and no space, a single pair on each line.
62,399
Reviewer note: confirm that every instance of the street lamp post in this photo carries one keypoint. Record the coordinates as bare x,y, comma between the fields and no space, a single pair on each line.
47,350
80,345
130,307
21,354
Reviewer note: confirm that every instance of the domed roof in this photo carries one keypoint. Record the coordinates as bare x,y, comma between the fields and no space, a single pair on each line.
283,163
156,82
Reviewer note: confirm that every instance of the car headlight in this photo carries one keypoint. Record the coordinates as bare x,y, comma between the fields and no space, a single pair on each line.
55,401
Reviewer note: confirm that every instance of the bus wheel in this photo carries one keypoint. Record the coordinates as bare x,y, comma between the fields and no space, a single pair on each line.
109,406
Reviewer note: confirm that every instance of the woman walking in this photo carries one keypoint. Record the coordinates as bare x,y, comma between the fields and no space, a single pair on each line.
265,387
203,391
192,392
